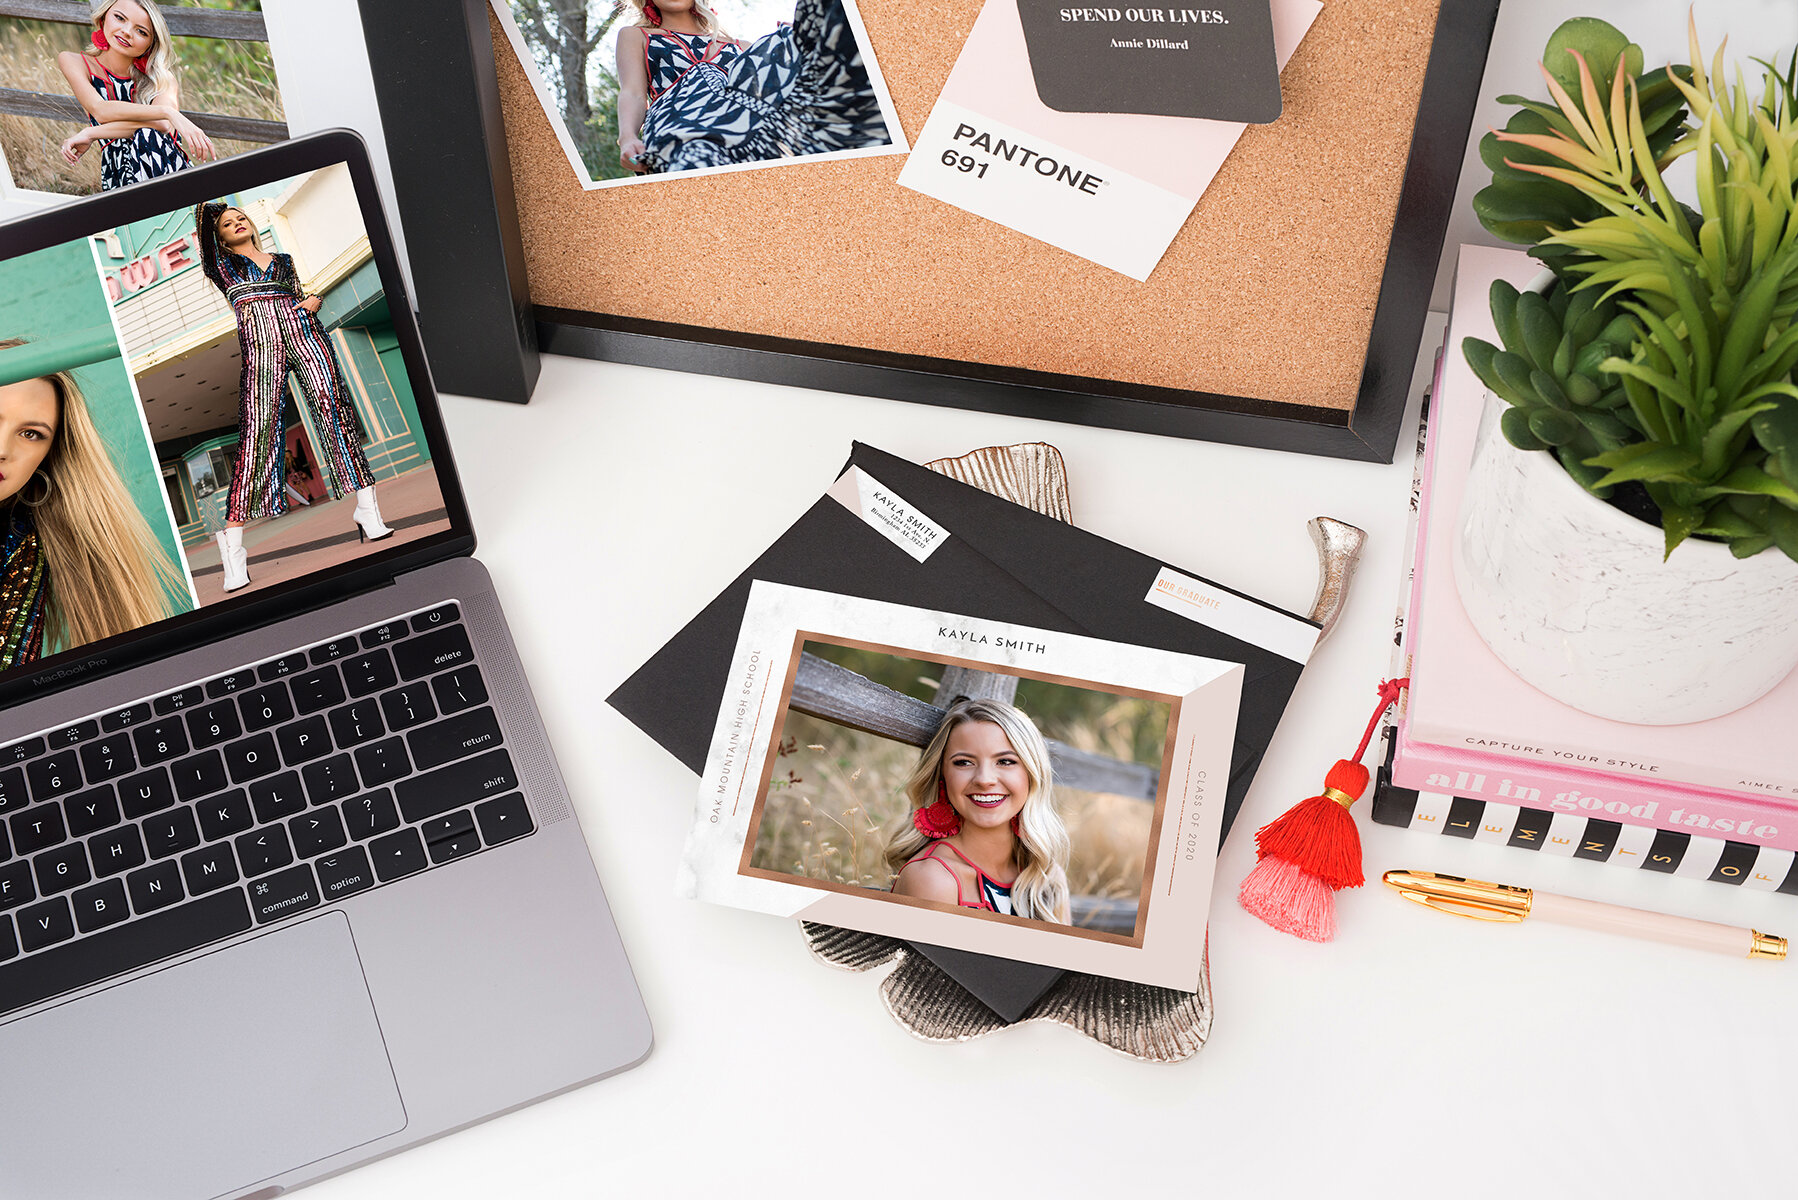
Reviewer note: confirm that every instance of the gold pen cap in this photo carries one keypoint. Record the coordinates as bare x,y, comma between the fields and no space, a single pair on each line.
1766,945
1472,898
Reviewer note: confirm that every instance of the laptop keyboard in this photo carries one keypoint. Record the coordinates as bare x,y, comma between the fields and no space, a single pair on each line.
154,829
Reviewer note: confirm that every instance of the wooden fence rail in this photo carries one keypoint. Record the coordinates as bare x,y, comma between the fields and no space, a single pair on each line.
183,21
67,108
823,689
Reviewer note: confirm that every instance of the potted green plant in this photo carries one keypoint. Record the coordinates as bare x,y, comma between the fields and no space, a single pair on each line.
1643,391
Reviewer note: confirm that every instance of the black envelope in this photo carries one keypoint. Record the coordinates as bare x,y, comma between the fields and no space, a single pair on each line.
1002,562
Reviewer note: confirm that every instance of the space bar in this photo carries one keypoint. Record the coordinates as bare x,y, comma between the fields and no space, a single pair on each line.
53,972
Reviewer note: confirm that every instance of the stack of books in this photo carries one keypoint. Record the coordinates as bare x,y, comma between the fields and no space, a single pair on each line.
1480,754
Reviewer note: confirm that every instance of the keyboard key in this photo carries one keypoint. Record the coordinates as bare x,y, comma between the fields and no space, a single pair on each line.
435,651
210,869
289,892
236,681
125,948
171,832
252,758
159,742
287,664
73,735
108,758
303,741
91,811
9,943
456,737
155,887
60,869
343,647
144,794
383,762
45,924
317,690
101,905
408,706
176,701
457,785
443,614
120,850
137,714
265,706
453,825
37,828
454,848
278,797
215,723
12,789
332,779
356,723
224,815
345,873
380,635
264,850
201,775
18,752
315,832
396,855
57,775
503,818
16,887
5,843
365,816
369,673
459,690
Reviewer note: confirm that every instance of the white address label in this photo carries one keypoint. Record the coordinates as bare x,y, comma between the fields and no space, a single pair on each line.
888,514
1229,613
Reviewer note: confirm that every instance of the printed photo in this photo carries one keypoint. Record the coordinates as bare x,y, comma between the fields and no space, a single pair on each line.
272,383
970,783
103,95
988,790
651,89
88,547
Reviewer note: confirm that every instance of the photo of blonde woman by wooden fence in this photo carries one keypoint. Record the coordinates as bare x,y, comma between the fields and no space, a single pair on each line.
216,75
851,738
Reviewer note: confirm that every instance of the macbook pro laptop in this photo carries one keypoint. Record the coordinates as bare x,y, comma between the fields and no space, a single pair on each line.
289,879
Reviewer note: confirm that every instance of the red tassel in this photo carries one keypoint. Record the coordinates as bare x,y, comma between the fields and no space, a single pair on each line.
1314,849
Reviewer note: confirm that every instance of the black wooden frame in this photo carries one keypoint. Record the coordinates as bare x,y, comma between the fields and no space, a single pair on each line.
412,45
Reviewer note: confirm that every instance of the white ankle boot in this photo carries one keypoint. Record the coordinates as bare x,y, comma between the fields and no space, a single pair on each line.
368,517
234,558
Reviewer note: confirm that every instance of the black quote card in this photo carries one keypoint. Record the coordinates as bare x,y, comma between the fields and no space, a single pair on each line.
1214,60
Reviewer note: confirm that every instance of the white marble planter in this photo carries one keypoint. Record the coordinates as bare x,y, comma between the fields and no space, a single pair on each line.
1573,596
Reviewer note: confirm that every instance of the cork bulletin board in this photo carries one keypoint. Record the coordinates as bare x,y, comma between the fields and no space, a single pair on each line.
1287,313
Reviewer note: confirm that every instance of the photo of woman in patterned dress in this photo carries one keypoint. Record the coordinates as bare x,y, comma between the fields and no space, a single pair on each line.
651,89
125,81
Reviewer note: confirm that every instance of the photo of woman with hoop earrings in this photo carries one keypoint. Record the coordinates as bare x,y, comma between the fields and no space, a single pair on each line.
79,561
279,332
983,831
125,82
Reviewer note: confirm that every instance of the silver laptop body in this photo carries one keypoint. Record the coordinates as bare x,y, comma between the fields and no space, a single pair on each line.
369,1013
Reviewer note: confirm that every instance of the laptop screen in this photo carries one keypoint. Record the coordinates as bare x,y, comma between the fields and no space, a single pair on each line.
213,409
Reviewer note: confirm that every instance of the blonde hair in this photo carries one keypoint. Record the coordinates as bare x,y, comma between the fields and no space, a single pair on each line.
159,74
213,233
709,22
1040,891
107,572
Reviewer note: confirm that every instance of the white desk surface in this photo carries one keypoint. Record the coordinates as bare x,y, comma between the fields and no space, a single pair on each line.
1417,1052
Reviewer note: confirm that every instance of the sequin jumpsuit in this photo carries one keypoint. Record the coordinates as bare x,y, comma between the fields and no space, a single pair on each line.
279,336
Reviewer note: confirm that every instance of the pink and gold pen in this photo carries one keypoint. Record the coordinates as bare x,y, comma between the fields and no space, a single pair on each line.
1502,902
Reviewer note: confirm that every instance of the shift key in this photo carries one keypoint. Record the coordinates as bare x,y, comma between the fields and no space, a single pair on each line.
456,786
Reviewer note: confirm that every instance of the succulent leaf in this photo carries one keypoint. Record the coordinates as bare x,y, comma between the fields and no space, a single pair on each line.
1514,423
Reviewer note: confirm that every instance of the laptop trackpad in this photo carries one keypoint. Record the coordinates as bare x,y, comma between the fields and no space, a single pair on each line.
202,1079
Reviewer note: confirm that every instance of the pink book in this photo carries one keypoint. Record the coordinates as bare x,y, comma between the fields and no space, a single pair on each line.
1464,701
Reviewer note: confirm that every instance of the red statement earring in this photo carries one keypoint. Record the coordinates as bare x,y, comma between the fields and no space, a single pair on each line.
653,13
99,40
937,820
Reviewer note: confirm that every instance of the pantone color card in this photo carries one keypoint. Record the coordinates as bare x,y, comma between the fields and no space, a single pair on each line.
1111,187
